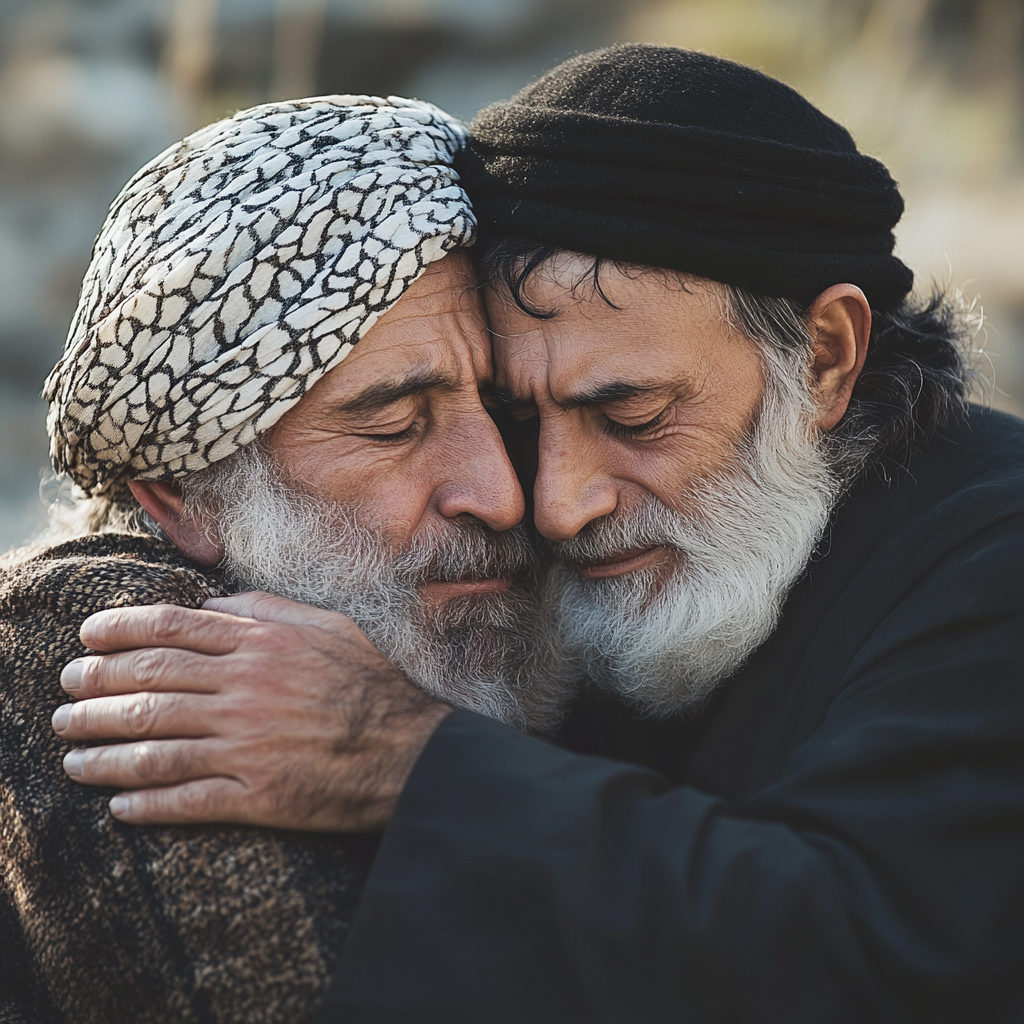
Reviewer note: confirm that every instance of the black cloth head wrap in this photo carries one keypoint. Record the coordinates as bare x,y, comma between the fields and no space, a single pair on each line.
671,158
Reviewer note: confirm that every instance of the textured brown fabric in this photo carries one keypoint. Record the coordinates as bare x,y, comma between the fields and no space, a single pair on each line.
104,922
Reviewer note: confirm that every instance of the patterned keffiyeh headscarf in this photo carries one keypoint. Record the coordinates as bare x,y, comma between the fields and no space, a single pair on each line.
239,267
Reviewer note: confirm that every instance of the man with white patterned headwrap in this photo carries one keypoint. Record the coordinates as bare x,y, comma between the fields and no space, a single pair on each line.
276,356
237,269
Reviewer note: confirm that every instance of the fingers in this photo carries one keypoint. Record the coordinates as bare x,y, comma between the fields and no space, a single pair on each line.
141,765
162,625
159,669
134,716
257,604
201,801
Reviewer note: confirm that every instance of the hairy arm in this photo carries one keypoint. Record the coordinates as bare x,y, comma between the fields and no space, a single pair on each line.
256,710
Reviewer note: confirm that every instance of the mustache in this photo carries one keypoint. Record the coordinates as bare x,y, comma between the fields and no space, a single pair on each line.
649,523
469,550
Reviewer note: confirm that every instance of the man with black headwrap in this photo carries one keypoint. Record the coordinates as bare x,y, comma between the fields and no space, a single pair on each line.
788,553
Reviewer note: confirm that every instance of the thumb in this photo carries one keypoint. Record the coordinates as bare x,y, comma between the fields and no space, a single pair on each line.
264,607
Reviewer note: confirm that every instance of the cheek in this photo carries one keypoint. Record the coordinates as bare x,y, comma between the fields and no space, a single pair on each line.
696,447
395,505
664,472
379,483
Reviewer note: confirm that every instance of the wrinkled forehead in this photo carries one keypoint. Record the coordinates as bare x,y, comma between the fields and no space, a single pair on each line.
434,336
627,323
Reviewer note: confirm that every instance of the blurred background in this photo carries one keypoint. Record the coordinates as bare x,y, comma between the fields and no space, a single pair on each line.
91,89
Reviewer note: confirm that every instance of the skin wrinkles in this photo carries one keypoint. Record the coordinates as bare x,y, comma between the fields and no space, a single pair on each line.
648,397
268,712
377,397
600,394
698,385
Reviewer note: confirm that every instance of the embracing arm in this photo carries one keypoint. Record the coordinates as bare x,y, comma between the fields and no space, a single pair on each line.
877,876
259,711
522,882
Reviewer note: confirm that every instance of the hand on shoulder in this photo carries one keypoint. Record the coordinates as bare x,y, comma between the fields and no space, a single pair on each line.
256,710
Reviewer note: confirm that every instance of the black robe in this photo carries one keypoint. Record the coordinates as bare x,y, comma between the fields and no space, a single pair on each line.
839,838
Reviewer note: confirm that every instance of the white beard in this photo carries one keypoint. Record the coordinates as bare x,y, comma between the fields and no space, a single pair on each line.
664,641
491,653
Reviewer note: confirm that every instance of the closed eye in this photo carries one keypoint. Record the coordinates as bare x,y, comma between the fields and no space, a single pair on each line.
627,430
395,438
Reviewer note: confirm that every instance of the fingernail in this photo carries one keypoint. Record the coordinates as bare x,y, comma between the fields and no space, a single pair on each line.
73,762
61,717
71,677
119,805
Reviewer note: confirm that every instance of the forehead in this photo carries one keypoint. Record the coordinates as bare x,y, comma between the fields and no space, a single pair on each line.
437,325
646,324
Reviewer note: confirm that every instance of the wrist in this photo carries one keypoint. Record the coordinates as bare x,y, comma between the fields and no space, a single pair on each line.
407,739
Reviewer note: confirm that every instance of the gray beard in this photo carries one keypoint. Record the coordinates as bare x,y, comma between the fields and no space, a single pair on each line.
665,641
493,653
662,641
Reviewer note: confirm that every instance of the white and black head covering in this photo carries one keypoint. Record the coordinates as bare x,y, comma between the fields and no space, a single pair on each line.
239,267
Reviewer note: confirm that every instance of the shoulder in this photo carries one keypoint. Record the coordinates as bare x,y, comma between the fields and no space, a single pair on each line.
275,907
74,579
983,452
916,570
969,499
969,488
953,526
926,571
45,597
963,487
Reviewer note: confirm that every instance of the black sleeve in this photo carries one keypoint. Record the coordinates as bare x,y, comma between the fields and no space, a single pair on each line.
879,877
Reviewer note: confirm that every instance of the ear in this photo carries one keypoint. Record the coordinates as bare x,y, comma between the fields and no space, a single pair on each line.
840,322
164,503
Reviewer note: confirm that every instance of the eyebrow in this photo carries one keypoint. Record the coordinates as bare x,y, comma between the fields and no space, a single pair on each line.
600,394
613,391
384,393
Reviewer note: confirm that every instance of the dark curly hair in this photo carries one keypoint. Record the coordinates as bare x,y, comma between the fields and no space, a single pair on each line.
916,377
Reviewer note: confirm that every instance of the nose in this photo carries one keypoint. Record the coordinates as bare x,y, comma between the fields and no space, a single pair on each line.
479,479
571,488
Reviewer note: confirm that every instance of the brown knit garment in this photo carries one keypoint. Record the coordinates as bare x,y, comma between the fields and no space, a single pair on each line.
103,922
